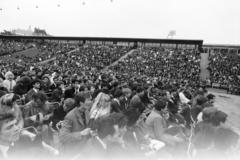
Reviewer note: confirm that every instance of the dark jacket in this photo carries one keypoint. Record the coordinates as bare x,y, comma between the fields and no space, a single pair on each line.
119,105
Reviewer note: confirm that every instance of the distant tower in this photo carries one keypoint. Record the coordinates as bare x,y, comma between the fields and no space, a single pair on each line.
171,34
29,28
29,31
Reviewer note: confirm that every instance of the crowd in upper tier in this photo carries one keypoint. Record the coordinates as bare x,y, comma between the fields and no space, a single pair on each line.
9,47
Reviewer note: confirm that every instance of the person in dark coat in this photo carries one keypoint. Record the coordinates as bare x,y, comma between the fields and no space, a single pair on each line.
118,103
36,86
3,91
71,91
140,101
23,85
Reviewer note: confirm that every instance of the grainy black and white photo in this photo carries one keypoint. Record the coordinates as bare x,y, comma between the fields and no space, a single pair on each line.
119,79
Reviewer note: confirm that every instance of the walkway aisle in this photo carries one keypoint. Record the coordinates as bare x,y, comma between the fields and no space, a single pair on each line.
203,65
120,59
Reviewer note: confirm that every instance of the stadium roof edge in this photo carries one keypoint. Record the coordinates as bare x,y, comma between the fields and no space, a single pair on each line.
222,45
178,41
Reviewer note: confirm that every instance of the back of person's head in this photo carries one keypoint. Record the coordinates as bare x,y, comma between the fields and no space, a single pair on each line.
172,107
219,117
214,116
144,97
40,96
118,93
55,96
79,98
208,113
20,89
132,115
26,81
160,104
210,96
201,100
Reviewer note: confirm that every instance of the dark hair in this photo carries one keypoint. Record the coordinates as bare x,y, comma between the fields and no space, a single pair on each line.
160,104
144,97
36,81
79,98
132,115
219,117
56,95
172,107
210,96
118,93
40,95
76,80
201,100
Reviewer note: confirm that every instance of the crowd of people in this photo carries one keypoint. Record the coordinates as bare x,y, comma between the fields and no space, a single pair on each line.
151,105
224,68
90,58
168,66
9,47
40,52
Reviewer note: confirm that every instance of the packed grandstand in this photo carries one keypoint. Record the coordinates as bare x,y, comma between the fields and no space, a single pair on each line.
98,97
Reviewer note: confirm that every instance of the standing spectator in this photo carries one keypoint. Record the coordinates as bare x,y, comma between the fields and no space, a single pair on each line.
157,124
35,110
36,87
74,131
9,82
118,104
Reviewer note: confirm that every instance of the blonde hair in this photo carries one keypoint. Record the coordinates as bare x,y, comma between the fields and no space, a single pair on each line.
9,74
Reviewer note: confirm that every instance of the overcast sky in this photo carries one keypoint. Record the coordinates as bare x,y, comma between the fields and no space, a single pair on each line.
214,21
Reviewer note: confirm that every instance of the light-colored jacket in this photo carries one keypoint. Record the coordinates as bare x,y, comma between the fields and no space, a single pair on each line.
9,84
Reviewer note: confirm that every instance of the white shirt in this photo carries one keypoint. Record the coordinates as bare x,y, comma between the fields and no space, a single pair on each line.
35,90
9,84
4,150
183,98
